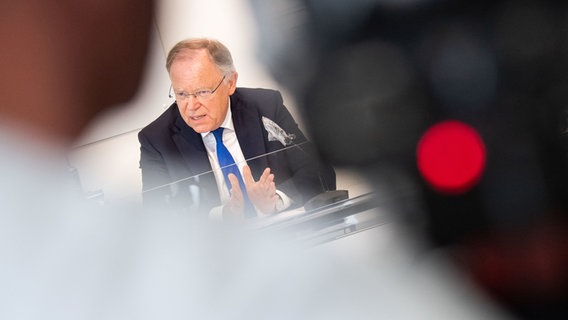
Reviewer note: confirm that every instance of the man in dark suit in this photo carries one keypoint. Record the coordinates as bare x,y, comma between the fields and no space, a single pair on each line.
179,155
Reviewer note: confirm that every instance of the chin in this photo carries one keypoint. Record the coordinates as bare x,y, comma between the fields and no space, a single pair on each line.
201,128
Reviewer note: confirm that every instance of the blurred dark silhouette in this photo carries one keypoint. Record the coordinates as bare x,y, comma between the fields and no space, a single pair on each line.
372,76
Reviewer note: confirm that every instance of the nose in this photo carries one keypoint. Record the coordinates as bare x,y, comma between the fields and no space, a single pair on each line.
192,103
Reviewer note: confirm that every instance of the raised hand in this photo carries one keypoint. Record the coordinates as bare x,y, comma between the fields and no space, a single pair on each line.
262,193
234,210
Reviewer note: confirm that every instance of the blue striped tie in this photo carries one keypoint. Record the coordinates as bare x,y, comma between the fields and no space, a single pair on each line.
227,163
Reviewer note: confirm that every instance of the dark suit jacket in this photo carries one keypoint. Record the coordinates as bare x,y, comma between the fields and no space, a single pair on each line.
173,155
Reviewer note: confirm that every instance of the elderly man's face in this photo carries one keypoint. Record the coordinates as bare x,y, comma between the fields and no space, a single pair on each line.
193,71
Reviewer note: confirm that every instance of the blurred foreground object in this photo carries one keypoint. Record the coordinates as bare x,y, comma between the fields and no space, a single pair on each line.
372,77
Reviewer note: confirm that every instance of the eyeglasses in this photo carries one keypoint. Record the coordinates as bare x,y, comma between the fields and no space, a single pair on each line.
199,94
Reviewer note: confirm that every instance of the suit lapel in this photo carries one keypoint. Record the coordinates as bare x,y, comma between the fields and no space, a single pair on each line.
194,157
191,147
250,133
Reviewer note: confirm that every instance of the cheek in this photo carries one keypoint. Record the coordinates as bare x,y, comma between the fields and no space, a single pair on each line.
218,108
213,111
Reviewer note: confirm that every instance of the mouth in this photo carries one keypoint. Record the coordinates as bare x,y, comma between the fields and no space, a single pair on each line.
196,118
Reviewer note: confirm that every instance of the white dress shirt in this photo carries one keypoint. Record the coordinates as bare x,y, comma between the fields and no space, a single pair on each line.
232,143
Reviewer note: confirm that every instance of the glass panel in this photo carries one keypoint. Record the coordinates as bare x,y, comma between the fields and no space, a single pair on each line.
317,211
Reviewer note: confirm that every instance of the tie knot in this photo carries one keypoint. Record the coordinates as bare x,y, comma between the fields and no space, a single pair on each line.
218,133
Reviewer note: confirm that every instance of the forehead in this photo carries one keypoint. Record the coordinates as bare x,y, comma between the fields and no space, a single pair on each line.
193,67
193,59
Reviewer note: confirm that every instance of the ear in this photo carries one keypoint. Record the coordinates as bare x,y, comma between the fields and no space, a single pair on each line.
232,81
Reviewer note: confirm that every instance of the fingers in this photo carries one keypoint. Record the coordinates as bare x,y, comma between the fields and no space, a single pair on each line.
234,209
247,176
264,176
264,182
235,188
262,193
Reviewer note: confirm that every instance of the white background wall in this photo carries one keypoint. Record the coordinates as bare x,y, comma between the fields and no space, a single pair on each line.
107,154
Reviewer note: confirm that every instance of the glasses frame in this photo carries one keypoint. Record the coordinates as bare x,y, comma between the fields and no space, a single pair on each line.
199,94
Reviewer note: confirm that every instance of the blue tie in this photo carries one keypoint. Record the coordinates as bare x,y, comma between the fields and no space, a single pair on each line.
228,165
